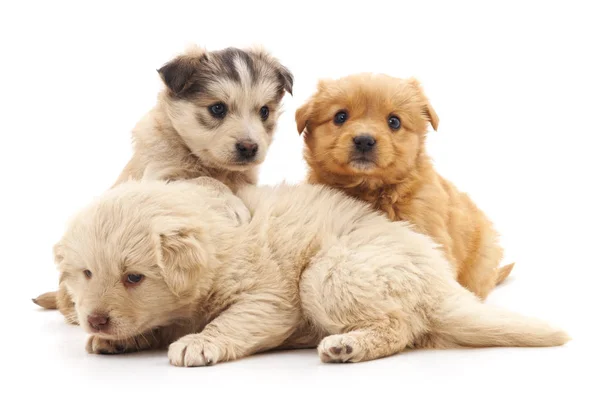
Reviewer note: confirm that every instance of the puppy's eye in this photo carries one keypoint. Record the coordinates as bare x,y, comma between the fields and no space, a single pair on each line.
264,113
394,122
87,273
133,279
340,117
218,110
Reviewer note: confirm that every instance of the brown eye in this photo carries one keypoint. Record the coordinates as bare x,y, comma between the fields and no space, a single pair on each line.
87,273
394,122
340,117
133,279
218,110
264,113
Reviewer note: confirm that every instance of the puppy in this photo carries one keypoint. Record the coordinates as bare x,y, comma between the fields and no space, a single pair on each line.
365,134
215,118
155,264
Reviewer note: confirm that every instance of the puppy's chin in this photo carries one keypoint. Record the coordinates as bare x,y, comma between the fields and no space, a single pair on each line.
105,333
362,165
240,166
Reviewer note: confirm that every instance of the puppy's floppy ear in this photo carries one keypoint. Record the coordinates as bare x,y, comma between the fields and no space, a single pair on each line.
284,75
303,115
305,112
181,258
286,78
427,109
433,118
178,74
59,256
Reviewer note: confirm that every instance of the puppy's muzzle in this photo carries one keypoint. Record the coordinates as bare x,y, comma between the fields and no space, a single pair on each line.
246,150
364,143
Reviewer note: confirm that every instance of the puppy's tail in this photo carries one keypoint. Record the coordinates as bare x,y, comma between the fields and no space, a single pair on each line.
464,321
47,300
503,272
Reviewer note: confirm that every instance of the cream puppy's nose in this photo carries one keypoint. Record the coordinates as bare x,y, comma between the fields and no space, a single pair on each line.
98,322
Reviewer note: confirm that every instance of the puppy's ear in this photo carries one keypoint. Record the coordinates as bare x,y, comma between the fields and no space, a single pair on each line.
182,256
305,112
284,75
426,107
303,115
286,78
433,118
178,74
59,256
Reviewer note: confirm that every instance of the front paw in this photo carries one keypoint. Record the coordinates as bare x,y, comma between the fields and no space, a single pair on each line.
194,350
97,345
238,210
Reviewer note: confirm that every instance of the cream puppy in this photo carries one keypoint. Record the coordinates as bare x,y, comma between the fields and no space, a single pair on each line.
155,264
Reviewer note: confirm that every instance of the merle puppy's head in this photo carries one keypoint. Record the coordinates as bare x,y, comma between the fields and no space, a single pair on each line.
225,103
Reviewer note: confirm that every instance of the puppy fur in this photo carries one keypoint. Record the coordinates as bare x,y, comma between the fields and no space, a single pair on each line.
394,173
312,267
181,138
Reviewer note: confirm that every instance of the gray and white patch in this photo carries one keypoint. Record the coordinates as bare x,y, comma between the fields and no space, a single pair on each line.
244,81
188,76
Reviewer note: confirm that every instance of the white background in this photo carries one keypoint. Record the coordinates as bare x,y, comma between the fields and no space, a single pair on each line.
517,90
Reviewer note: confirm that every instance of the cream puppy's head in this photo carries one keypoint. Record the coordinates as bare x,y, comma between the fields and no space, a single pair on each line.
225,104
137,257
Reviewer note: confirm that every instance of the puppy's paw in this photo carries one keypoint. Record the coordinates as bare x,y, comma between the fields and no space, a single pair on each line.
238,210
340,348
97,345
194,350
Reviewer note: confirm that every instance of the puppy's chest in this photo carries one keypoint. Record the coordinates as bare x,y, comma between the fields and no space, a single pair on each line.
235,180
192,169
423,214
390,203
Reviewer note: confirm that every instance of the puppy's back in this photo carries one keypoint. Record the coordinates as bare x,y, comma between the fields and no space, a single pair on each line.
308,216
315,206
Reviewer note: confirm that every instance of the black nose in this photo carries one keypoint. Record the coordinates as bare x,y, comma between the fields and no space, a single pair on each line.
364,143
246,150
98,321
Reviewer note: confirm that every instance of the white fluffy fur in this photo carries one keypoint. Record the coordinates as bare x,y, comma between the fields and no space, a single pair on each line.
312,267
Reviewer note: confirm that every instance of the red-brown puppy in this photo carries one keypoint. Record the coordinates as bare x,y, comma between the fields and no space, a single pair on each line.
365,134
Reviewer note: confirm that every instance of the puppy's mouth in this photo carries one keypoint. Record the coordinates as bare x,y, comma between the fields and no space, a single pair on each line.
242,163
114,329
362,162
115,333
232,162
106,332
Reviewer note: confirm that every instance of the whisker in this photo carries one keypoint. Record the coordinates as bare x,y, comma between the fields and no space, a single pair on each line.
145,340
